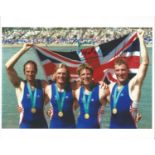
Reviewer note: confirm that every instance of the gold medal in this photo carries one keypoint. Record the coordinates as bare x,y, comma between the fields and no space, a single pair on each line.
114,111
60,114
86,116
33,110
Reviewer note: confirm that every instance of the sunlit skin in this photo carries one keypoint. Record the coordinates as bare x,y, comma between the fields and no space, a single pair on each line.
30,73
121,72
61,77
86,77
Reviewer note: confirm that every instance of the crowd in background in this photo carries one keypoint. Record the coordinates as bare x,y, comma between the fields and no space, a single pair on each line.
67,36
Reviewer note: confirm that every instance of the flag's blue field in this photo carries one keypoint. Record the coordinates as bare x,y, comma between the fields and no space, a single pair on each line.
10,116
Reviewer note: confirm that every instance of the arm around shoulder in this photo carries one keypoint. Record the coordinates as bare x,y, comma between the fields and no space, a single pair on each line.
47,92
75,103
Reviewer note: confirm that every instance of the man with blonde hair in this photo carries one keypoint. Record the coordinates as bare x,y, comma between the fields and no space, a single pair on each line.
125,94
90,97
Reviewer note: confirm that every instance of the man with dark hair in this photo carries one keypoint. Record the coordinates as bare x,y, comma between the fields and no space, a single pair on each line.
29,92
125,94
30,62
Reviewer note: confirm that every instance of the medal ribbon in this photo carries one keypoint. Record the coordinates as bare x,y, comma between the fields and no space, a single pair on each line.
33,96
116,95
60,100
86,103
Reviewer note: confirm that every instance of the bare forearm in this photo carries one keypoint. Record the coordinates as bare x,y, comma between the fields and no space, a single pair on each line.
144,52
12,61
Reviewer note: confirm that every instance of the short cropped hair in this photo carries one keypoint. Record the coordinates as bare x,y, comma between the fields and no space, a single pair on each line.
84,66
30,62
121,61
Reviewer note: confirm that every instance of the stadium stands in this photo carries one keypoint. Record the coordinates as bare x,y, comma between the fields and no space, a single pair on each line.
66,36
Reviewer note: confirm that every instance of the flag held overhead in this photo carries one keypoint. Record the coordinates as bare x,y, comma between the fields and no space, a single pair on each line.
101,57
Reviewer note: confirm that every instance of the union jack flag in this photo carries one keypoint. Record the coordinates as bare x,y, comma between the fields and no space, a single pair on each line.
101,58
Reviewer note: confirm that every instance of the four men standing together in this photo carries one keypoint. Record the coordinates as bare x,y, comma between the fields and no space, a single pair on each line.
65,97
